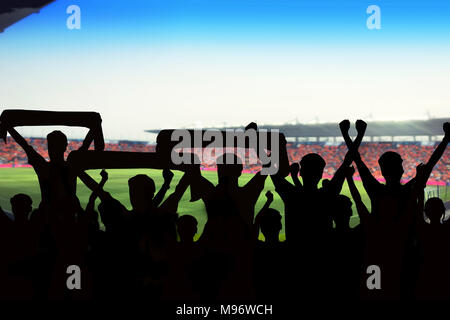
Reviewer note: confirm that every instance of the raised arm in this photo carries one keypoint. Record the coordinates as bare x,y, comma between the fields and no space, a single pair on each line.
87,141
282,186
34,158
368,180
251,192
256,225
19,139
438,152
93,185
171,203
201,187
336,182
361,127
255,186
416,199
31,153
344,126
361,209
95,135
95,193
159,197
283,161
286,191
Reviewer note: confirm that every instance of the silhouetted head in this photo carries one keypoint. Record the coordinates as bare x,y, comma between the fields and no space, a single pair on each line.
21,206
311,168
391,166
229,167
187,228
142,190
434,210
342,212
270,223
57,145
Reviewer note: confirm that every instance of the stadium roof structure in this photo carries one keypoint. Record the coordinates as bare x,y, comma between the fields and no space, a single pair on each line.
12,11
432,127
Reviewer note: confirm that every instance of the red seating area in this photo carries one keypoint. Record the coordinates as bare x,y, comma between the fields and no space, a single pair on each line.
11,153
412,153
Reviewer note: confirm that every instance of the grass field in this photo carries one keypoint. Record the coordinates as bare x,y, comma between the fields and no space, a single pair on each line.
24,180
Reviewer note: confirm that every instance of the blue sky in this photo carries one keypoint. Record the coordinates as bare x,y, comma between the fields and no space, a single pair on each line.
270,61
153,22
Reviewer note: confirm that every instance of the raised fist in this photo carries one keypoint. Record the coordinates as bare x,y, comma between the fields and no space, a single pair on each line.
446,127
251,125
421,174
360,126
104,174
420,169
269,196
167,175
344,125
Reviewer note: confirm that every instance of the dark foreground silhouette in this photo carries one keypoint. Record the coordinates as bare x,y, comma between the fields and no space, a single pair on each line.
60,251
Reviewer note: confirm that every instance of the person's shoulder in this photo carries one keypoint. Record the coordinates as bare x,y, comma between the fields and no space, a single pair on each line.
112,203
408,186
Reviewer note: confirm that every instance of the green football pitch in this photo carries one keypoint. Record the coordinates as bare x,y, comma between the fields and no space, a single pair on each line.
24,180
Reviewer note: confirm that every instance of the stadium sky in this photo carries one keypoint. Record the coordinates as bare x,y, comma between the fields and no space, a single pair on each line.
146,64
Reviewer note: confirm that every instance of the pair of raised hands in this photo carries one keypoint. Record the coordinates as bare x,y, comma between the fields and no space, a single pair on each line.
360,126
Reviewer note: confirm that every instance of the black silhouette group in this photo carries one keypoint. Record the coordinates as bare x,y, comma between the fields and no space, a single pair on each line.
150,252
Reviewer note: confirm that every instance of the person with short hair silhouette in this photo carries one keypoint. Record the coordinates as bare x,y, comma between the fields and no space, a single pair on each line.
308,221
392,236
392,170
346,251
294,170
96,239
21,206
269,221
144,234
182,257
55,180
227,237
432,279
269,255
347,243
342,213
17,249
187,228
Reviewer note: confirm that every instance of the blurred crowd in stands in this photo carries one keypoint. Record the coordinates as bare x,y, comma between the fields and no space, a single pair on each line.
412,154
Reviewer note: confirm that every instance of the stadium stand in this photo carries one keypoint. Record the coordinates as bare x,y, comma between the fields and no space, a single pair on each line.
11,155
150,251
